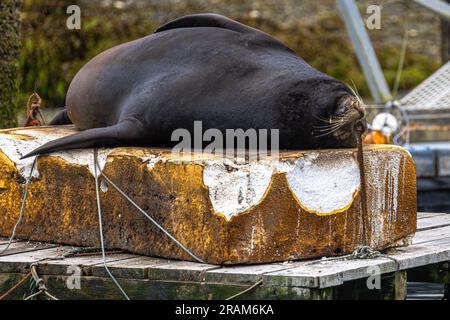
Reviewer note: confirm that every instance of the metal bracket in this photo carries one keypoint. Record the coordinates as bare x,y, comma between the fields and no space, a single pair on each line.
437,6
364,51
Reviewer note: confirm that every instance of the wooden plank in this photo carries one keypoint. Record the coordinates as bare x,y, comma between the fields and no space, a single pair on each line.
332,272
426,215
20,262
434,222
104,288
51,260
181,271
132,268
6,241
86,263
19,247
425,236
3,240
421,255
328,273
246,274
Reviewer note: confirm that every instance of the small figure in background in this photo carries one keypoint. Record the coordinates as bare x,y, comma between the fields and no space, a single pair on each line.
382,128
33,105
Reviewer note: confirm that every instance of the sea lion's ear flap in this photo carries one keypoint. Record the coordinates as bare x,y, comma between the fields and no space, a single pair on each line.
207,20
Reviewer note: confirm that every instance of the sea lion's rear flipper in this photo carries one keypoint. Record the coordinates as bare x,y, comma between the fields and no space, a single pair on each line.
61,119
119,134
206,20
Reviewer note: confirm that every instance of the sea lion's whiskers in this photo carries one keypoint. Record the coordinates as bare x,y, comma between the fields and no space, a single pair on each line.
336,122
330,121
359,99
329,128
336,126
332,124
355,91
331,131
322,119
327,133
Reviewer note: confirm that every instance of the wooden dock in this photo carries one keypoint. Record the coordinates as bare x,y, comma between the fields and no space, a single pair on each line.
426,260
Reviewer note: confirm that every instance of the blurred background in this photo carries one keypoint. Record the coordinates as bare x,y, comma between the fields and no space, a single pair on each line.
51,54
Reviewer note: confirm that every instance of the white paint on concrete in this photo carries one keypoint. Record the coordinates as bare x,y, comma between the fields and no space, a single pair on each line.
152,160
321,184
383,170
16,143
325,183
234,188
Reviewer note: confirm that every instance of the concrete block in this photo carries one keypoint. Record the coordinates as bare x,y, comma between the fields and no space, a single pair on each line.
305,204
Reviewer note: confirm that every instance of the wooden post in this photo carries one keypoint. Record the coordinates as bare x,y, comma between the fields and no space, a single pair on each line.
393,286
400,285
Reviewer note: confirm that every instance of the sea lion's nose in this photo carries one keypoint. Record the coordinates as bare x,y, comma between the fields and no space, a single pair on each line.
350,103
360,108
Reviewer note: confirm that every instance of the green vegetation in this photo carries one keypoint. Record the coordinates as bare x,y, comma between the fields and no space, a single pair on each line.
52,54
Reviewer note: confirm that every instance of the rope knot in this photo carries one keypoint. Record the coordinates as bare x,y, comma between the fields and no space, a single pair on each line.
365,252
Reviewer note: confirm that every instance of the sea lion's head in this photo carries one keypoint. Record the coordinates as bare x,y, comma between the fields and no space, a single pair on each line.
329,113
342,122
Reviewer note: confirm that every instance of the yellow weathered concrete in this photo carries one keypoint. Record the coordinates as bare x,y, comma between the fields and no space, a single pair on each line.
306,204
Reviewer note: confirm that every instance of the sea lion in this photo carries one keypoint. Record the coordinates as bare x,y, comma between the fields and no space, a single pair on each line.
210,68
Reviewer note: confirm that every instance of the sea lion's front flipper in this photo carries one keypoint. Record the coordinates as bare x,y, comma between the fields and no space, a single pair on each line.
206,20
119,134
61,118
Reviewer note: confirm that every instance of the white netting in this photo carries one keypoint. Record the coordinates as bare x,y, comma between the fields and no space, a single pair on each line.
433,94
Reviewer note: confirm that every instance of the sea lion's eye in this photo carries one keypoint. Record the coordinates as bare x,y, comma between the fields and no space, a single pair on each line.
340,107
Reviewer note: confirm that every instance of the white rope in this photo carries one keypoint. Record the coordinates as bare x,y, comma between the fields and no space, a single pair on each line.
22,208
40,285
99,210
257,283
